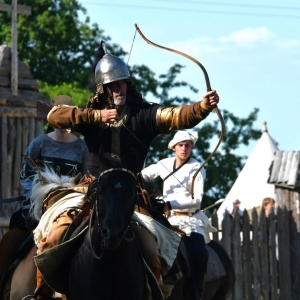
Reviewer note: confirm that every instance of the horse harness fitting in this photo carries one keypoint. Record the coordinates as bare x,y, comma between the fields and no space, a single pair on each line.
116,169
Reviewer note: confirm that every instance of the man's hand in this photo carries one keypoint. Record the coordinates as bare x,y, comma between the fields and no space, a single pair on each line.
167,212
108,115
211,98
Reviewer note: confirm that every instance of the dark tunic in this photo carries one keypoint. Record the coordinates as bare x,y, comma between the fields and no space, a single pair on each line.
137,134
144,122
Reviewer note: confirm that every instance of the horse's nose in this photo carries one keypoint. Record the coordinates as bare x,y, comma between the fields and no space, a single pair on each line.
109,235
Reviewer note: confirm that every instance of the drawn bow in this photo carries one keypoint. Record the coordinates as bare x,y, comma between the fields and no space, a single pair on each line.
208,87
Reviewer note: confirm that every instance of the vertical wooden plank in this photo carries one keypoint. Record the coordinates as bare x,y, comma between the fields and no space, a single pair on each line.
238,292
31,133
4,191
1,163
247,257
264,261
256,256
294,243
271,222
25,129
215,223
11,139
18,152
39,127
285,284
4,181
226,233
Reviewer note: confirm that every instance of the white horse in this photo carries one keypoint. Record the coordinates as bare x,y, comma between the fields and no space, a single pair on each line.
44,182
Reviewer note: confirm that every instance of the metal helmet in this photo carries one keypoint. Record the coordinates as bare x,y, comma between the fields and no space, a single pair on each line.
110,68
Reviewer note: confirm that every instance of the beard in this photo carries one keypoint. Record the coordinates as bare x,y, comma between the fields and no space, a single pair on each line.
119,102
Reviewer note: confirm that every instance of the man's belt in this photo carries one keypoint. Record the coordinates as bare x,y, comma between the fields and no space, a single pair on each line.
181,213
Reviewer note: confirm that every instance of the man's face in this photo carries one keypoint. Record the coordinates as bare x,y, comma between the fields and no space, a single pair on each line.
236,204
268,208
119,90
183,149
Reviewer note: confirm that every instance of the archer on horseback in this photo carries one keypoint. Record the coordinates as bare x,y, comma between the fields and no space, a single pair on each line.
183,209
118,121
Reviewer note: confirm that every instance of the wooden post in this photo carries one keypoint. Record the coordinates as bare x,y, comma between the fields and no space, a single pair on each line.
15,9
271,223
14,49
256,257
284,244
264,258
238,292
247,256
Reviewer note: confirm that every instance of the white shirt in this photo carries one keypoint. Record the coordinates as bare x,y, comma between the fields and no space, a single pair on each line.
177,190
177,187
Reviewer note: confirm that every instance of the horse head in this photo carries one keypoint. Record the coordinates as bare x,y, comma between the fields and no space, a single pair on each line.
115,201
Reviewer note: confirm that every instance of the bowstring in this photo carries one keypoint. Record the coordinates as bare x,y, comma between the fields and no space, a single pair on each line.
157,161
131,46
134,134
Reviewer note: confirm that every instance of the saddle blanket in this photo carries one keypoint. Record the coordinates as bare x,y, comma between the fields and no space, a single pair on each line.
168,241
72,201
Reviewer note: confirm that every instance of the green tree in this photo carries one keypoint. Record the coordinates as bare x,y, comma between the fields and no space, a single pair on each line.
78,94
54,43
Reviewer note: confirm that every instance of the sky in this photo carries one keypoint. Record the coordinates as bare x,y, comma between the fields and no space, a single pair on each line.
250,50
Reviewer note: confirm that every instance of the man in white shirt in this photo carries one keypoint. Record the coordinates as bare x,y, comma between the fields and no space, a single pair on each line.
177,175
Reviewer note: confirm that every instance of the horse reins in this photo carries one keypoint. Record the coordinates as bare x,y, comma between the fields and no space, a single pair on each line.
95,211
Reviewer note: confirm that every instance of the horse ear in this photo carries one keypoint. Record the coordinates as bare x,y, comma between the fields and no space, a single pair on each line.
36,169
76,179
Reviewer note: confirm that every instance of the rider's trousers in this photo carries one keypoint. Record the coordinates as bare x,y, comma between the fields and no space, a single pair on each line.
199,257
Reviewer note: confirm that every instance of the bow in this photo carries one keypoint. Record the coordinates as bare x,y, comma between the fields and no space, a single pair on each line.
208,87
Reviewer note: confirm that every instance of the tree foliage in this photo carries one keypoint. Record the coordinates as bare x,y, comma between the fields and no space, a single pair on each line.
78,94
59,48
53,41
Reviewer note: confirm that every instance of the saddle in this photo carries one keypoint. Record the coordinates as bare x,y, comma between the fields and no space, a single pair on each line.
54,264
215,268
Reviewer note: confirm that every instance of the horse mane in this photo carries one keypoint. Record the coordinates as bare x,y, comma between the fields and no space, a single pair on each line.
52,181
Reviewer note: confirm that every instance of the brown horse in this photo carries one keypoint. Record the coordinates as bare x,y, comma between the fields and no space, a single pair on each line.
19,277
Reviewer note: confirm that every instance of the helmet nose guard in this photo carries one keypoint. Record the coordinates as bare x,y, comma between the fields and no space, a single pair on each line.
110,68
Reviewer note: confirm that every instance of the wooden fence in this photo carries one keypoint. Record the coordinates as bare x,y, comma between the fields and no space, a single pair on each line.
265,253
15,135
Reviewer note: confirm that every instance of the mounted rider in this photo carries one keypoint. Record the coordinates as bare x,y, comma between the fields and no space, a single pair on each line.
118,121
184,212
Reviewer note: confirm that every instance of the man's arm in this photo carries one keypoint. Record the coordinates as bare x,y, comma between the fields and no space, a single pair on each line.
187,116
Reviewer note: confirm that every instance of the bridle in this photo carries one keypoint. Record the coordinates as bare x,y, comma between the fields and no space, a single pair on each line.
94,213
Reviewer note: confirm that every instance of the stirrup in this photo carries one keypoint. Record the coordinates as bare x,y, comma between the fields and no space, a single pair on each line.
39,294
